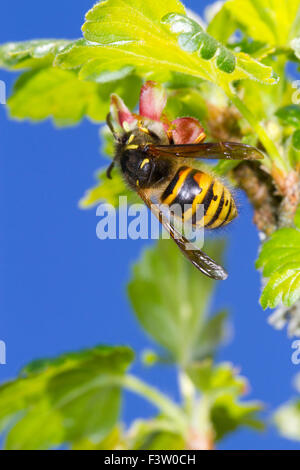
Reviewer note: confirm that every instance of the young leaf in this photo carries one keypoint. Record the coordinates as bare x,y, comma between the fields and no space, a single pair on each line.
222,388
229,414
115,440
154,434
289,115
30,54
55,93
224,166
274,22
296,140
264,100
221,378
52,92
222,25
186,102
64,400
142,41
174,310
193,38
280,262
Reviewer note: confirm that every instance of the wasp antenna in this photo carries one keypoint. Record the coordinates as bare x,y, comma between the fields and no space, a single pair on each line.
111,127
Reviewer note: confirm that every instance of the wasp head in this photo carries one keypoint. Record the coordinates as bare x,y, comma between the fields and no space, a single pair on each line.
150,126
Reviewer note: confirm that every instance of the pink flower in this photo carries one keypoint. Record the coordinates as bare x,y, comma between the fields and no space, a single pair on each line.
153,99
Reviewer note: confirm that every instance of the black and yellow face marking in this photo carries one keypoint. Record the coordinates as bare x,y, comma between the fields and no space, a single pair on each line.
193,187
129,145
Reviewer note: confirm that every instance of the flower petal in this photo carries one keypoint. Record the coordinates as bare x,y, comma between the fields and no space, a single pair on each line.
119,111
187,130
153,99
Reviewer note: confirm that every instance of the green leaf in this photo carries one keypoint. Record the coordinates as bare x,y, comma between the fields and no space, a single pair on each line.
284,286
224,166
296,140
292,151
287,420
257,49
264,100
154,434
108,191
228,415
192,38
114,441
46,91
280,262
142,41
289,115
56,93
164,440
186,102
30,54
211,335
222,25
271,21
297,217
221,378
174,310
67,399
221,388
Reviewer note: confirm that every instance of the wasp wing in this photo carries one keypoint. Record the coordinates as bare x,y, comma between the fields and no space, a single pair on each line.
198,258
210,150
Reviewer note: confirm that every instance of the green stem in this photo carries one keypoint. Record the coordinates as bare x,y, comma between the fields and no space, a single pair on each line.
173,412
161,401
202,413
187,391
269,145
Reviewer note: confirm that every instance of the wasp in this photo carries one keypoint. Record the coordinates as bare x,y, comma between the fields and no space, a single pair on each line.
163,172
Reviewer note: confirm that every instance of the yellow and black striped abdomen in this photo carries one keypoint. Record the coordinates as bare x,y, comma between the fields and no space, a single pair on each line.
191,187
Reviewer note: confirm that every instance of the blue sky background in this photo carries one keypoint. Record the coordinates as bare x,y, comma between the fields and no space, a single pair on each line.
62,289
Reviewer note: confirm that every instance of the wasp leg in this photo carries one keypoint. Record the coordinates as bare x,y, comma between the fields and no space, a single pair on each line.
109,170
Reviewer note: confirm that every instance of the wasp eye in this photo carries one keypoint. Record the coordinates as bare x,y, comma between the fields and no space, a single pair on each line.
125,139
